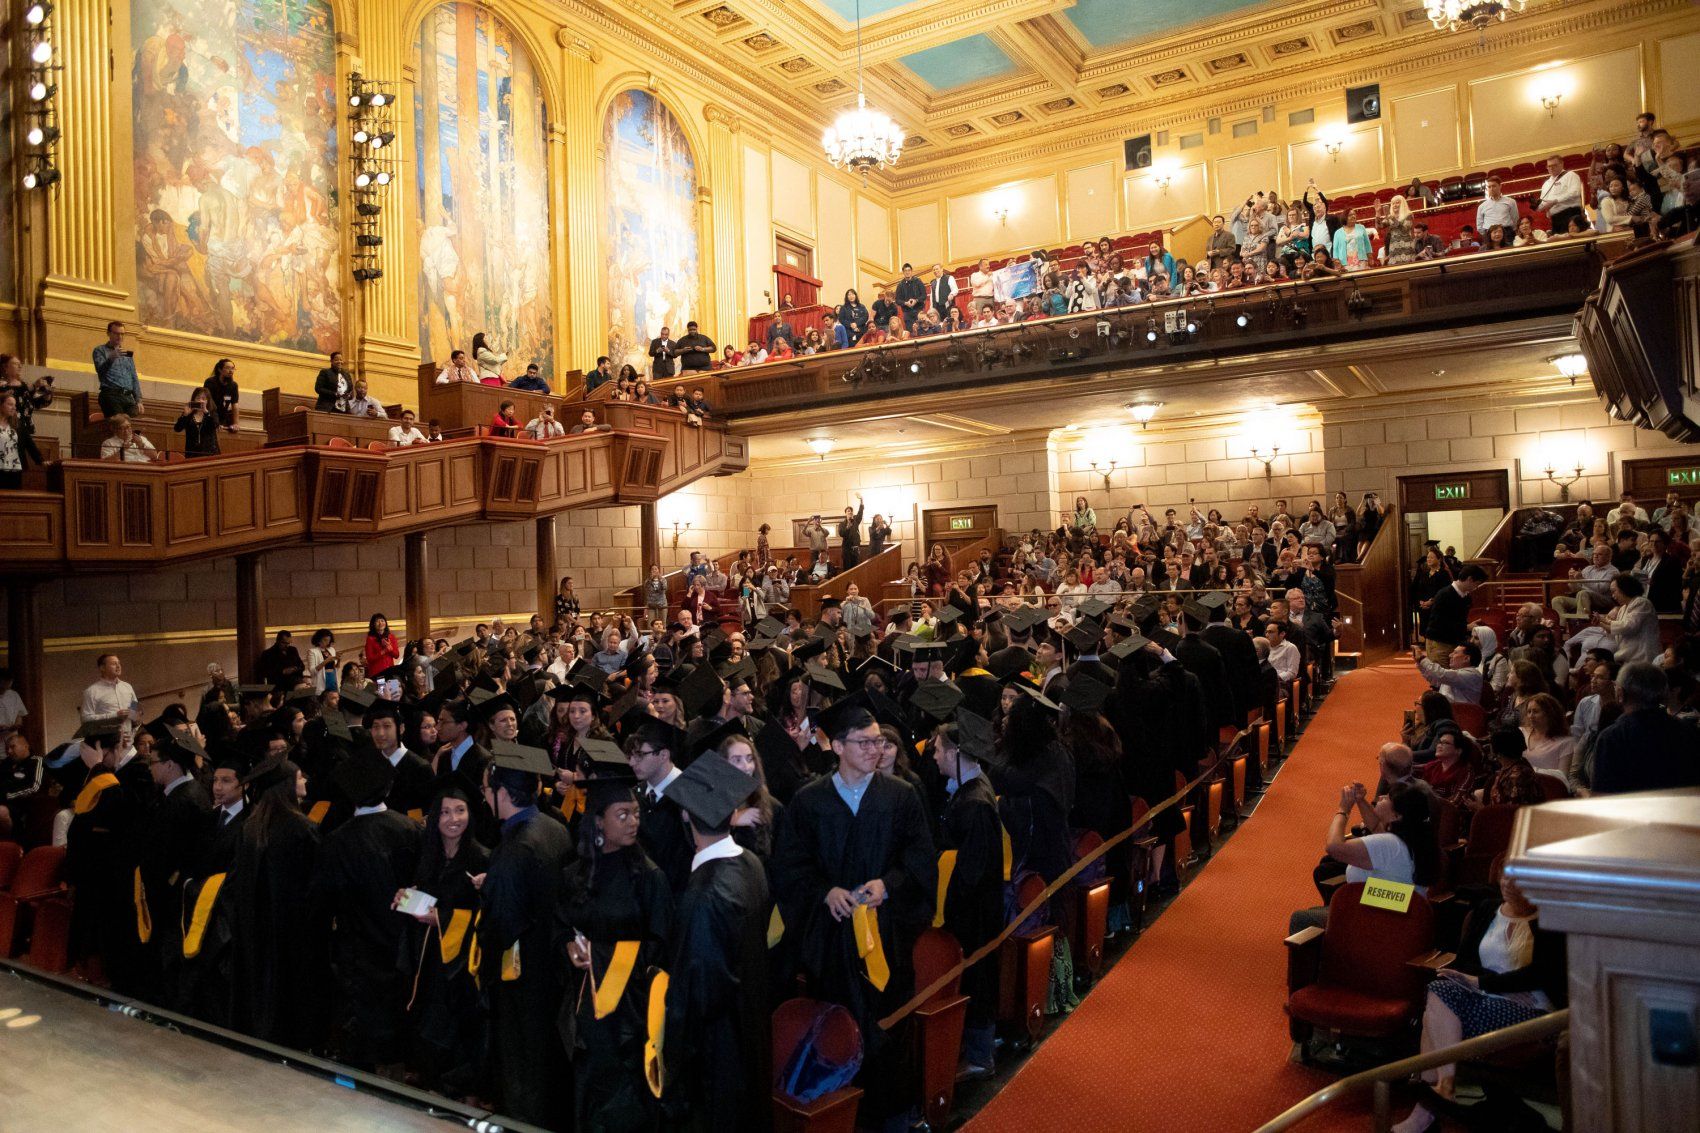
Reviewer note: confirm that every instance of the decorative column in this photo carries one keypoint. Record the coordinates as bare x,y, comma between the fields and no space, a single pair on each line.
548,571
416,585
250,615
382,331
649,537
724,240
89,214
25,653
574,155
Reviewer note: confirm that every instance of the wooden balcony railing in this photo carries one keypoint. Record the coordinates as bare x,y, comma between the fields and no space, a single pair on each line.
1537,281
1641,335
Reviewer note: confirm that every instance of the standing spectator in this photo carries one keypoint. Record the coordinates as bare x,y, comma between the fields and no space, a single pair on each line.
662,350
695,350
223,393
199,426
382,649
566,602
1223,249
490,360
115,367
110,694
1397,234
1352,246
1496,208
321,661
334,386
280,666
781,330
38,395
943,291
982,287
11,442
655,595
852,317
1561,194
911,296
850,535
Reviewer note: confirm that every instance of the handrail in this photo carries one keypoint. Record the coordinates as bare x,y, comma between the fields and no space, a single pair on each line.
1377,568
1382,1077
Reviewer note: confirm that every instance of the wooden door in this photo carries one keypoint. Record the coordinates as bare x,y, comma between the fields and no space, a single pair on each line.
956,527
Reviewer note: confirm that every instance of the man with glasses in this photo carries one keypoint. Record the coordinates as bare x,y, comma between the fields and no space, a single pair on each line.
661,831
853,862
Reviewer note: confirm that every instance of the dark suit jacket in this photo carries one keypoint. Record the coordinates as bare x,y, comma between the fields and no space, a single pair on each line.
1664,588
1646,750
907,289
325,387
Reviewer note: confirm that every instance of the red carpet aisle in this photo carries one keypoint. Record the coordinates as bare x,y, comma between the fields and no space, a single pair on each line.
1187,1031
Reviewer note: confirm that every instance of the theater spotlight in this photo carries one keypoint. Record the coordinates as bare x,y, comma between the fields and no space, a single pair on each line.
42,135
1243,320
36,14
1296,313
1358,304
40,177
42,53
362,179
360,135
367,208
379,141
41,92
1150,330
368,240
383,177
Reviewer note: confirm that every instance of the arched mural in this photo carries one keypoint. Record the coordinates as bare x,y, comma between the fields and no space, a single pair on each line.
484,262
651,271
235,113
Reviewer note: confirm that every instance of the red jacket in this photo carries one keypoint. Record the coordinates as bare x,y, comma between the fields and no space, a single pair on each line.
381,655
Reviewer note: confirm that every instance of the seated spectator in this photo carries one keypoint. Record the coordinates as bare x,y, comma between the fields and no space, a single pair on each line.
1509,970
1402,848
642,394
532,381
457,370
1647,749
730,357
504,423
363,404
408,432
125,444
544,427
754,355
1460,679
1453,771
1466,243
1527,233
1590,586
433,430
1425,244
587,424
1498,239
1549,745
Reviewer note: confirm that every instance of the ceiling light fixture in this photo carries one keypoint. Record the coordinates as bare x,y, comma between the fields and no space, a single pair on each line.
1451,15
1571,366
820,446
862,139
1143,411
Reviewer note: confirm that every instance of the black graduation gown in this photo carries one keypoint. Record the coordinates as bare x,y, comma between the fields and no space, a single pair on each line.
469,776
662,836
204,980
414,785
103,855
279,962
1160,720
717,1045
758,840
973,901
361,865
1035,795
173,848
627,899
1204,662
446,1025
822,846
785,766
520,891
1239,661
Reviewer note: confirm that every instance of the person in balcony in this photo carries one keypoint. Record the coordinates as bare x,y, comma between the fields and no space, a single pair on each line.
1561,194
781,330
1352,250
911,296
11,448
1496,208
1397,234
544,426
754,355
696,350
505,423
729,357
223,393
532,381
853,317
456,371
125,444
490,361
335,385
199,426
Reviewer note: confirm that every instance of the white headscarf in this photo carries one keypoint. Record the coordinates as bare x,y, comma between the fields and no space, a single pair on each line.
1489,642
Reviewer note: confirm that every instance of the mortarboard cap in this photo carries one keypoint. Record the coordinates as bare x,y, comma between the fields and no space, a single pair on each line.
578,690
947,614
875,664
183,741
830,604
1128,646
396,672
860,629
813,647
1165,639
701,692
488,706
603,751
519,757
1082,638
938,699
1214,600
734,673
364,777
1196,611
823,678
246,691
1036,693
1085,695
354,703
718,735
606,788
1006,663
665,735
1095,607
267,775
301,695
770,627
964,651
710,789
100,726
336,726
974,735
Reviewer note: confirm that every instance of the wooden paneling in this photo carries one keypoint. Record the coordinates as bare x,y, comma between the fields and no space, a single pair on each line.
957,527
310,427
1489,488
32,526
1650,479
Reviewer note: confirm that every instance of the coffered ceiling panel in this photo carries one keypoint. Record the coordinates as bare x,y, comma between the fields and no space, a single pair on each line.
960,62
1111,23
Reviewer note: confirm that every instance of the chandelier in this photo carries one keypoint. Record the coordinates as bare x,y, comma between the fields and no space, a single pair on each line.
1450,15
862,139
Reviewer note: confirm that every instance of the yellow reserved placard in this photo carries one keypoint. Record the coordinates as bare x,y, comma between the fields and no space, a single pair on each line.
1394,896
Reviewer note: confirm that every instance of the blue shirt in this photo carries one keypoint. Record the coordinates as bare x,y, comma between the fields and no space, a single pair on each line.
459,750
840,336
116,370
852,796
517,818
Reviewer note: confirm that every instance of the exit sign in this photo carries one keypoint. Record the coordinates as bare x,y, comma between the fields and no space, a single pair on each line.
1682,477
1452,491
962,523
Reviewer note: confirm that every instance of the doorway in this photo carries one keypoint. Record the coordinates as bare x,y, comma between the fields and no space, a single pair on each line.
1458,510
957,526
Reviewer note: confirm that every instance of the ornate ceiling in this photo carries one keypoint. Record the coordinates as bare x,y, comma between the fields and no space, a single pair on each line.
962,74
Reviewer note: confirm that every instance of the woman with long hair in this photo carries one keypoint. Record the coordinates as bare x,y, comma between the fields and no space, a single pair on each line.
611,895
489,361
572,720
445,1023
1550,746
853,316
1397,230
382,649
790,756
753,823
321,660
1403,850
278,957
936,572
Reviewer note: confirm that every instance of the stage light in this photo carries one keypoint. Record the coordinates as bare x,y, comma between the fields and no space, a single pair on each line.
1243,321
1191,327
1150,330
41,135
367,208
380,99
383,177
36,14
914,367
42,52
41,92
368,240
360,135
379,141
362,179
41,177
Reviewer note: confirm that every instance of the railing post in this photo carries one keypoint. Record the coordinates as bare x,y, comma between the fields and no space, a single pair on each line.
547,571
250,615
417,593
25,655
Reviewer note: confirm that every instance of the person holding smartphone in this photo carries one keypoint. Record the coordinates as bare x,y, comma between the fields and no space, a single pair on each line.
115,367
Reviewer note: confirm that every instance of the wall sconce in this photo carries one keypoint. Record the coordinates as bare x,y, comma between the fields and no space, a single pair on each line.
1564,481
1106,474
1571,366
1267,457
1002,214
1334,143
820,446
1550,100
1143,411
679,530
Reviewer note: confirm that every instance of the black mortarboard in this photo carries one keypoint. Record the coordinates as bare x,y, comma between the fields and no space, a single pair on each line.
1196,611
604,789
974,735
937,699
301,695
947,614
354,704
980,693
578,690
717,736
100,726
667,736
831,718
629,714
1006,663
466,646
702,691
381,710
246,691
770,627
1085,695
1165,639
1128,646
824,632
490,705
336,726
963,652
813,647
830,604
665,682
518,757
1095,607
823,678
1036,693
733,673
1022,619
860,629
710,789
1214,600
267,775
184,741
531,652
928,650
1121,623
395,672
603,751
712,637
1082,638
364,778
875,664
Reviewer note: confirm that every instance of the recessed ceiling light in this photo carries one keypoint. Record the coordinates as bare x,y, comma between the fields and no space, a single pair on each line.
1438,373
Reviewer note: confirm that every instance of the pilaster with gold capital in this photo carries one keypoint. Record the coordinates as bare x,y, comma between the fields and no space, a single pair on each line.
573,157
726,221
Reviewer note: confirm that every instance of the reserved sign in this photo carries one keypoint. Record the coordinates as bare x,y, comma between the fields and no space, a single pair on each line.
1394,896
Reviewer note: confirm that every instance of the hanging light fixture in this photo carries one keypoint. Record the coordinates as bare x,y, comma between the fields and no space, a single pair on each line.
862,139
1143,411
1451,15
1571,366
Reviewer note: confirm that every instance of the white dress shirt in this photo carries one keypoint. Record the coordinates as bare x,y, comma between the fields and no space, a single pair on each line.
725,848
1562,192
107,698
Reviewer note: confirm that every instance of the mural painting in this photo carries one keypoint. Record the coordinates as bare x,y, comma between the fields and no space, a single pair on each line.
235,111
651,269
484,259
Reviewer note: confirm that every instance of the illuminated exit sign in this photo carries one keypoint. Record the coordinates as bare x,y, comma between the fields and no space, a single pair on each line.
966,522
1682,477
1452,491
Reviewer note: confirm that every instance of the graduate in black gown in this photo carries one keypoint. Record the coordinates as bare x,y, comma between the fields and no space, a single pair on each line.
461,760
716,1053
858,840
204,977
361,865
649,752
973,900
446,1024
790,756
173,847
519,972
102,859
613,895
279,959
